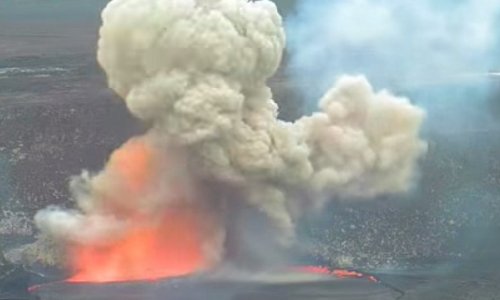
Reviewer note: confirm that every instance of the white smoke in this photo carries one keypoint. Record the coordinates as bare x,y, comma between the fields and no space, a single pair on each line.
398,44
364,143
196,70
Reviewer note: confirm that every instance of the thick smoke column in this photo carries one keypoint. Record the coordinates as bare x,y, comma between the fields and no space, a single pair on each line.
196,71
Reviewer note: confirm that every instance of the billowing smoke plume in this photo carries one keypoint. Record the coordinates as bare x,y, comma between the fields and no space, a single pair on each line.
196,71
440,52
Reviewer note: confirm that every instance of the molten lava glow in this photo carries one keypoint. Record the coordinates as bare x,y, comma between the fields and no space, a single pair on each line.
170,248
167,241
339,273
134,162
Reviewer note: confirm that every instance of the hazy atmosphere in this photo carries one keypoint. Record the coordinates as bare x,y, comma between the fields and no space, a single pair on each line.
270,142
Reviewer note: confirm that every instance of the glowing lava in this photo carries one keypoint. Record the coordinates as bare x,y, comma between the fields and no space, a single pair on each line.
166,240
339,273
170,248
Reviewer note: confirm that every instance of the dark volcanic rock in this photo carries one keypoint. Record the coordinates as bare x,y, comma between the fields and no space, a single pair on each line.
56,118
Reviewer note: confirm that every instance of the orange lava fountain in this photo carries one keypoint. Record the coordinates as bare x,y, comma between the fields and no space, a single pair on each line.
164,243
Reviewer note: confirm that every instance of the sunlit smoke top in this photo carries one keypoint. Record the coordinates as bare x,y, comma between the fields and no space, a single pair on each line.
196,72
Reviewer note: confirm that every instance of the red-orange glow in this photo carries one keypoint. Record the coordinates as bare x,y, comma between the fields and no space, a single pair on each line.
339,273
135,162
347,274
315,270
170,248
155,244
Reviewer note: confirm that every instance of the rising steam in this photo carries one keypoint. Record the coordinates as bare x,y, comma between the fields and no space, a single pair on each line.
196,71
440,52
396,43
